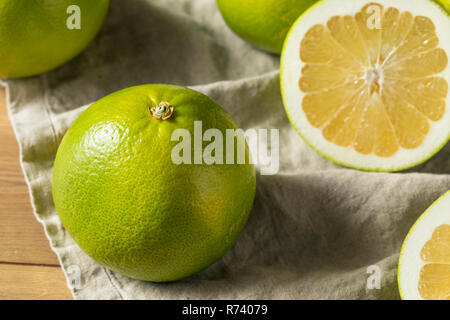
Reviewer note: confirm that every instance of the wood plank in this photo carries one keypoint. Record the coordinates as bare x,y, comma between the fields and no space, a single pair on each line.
28,282
22,237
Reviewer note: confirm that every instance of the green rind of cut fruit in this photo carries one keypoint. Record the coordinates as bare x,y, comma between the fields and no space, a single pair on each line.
400,260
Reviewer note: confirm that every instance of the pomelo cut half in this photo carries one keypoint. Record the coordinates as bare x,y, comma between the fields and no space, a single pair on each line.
424,265
366,84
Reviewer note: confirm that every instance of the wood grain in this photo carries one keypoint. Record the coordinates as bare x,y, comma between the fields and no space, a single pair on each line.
29,282
29,269
22,237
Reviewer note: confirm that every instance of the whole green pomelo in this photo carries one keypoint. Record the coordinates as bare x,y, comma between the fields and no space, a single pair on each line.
264,23
37,36
129,206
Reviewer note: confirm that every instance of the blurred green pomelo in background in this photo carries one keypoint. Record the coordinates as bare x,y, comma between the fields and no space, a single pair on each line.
129,206
264,23
35,37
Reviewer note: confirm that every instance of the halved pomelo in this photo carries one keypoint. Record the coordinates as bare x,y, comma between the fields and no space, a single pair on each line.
366,83
424,265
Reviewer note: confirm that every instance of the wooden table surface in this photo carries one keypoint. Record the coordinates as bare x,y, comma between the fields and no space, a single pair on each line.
29,269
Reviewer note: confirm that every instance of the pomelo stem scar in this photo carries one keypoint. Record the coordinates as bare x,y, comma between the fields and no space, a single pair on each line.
163,111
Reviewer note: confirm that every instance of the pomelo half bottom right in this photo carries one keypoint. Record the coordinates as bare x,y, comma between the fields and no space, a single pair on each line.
366,83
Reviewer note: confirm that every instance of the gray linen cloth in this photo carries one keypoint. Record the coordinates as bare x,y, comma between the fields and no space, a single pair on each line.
315,228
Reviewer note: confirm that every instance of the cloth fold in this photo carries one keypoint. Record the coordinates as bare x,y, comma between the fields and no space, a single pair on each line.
315,228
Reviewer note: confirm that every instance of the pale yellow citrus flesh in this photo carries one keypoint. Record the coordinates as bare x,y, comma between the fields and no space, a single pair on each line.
434,280
374,85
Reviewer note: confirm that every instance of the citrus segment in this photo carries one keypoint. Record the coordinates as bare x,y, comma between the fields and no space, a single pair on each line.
371,32
420,38
427,95
410,125
394,30
435,282
437,249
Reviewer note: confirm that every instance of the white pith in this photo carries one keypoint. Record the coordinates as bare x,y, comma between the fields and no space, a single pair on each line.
291,67
410,261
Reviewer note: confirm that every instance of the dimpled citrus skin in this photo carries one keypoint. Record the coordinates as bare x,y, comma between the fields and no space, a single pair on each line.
34,37
264,23
128,206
